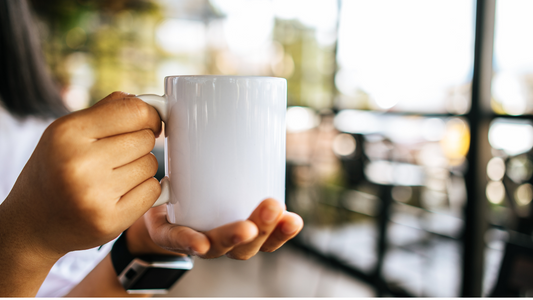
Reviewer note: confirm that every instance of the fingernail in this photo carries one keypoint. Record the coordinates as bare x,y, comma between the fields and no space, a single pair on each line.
269,214
289,228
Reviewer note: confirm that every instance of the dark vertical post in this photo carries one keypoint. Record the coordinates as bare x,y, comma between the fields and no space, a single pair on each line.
475,209
385,194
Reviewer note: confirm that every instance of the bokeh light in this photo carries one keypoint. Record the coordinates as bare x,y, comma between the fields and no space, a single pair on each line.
512,136
519,169
524,194
76,97
456,140
385,172
301,119
354,121
495,192
344,144
402,193
496,168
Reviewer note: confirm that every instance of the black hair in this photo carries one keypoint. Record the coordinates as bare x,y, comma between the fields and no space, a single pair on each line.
26,86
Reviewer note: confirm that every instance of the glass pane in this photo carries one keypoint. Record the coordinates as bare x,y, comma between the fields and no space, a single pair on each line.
513,60
412,55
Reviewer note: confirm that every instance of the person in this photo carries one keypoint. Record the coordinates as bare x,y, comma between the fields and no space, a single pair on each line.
73,182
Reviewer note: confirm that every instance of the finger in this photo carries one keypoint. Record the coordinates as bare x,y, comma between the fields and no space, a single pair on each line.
122,149
137,201
172,237
265,216
288,227
131,175
225,238
118,116
114,96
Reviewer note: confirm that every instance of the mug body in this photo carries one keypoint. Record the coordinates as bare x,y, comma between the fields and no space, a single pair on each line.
225,147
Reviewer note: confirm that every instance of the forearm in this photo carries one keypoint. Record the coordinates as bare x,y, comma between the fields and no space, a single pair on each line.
23,264
101,282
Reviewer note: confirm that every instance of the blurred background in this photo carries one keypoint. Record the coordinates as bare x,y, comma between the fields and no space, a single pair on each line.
409,130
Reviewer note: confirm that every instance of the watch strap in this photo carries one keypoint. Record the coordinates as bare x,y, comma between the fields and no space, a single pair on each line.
121,257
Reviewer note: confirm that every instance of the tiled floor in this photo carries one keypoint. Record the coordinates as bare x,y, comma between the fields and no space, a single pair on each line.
284,273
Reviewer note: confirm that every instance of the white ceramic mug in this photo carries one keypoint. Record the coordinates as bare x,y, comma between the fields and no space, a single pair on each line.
224,146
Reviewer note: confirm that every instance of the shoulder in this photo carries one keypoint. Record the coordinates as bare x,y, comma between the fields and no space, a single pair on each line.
21,134
9,122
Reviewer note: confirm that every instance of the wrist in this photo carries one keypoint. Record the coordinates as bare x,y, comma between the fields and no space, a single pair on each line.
24,260
152,274
19,237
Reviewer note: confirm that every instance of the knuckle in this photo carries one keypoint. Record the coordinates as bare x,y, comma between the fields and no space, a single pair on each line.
166,237
69,172
140,109
154,184
76,168
117,95
153,165
148,135
59,129
153,188
98,221
148,138
103,228
104,220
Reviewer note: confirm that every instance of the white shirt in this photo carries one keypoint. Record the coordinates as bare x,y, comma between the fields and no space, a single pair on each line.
18,139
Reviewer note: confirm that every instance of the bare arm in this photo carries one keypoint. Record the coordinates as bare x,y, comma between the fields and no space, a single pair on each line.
25,264
89,178
101,282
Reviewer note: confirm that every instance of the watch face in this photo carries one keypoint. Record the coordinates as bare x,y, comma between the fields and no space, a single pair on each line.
157,279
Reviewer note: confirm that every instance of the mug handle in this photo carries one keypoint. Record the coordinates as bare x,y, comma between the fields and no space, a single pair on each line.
160,104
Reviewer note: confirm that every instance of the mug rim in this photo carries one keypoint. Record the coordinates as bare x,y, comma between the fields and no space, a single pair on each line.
225,76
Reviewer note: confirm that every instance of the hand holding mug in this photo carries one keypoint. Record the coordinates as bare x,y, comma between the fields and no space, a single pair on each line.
268,228
89,178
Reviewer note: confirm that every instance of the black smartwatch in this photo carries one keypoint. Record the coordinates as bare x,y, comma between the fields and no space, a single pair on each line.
148,274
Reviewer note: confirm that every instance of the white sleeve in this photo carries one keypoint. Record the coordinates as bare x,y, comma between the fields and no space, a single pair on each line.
71,269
